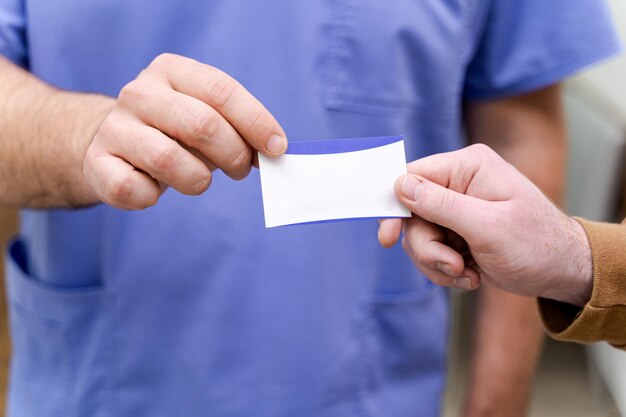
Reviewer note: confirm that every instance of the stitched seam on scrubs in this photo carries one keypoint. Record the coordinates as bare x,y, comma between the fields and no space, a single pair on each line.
106,351
338,38
467,43
364,328
546,76
367,104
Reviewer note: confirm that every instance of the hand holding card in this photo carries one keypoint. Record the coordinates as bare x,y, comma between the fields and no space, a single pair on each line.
329,180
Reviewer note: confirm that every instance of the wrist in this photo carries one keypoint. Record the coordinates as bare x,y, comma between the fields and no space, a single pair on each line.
582,275
45,132
88,112
574,266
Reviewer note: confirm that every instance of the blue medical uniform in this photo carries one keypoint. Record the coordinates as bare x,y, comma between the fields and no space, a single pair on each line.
192,307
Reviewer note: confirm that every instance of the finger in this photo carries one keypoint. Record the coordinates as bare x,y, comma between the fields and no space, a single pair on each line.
436,276
469,280
200,156
475,170
193,123
423,241
389,231
452,170
255,159
118,184
433,274
465,215
161,157
222,92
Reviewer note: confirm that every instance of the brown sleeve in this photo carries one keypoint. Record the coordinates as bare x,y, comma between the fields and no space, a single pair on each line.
604,316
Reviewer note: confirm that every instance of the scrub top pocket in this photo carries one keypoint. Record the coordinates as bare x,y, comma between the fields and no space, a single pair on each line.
386,59
59,335
41,371
405,348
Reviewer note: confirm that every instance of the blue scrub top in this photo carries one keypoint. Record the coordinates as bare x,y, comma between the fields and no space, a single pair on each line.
192,307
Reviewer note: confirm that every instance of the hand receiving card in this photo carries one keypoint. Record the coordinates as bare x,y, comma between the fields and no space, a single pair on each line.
330,180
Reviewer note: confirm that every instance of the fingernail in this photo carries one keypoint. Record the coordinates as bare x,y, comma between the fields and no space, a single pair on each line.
411,188
463,283
276,145
445,268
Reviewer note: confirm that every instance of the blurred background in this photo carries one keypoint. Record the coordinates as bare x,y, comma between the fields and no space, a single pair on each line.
572,380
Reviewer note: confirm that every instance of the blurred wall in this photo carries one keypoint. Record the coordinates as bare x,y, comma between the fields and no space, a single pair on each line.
596,110
596,107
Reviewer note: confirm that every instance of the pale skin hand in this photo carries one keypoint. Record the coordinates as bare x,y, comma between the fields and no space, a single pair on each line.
528,131
478,220
172,126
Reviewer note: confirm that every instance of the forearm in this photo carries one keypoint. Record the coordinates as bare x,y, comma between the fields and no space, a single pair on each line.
506,348
508,338
529,133
602,315
44,133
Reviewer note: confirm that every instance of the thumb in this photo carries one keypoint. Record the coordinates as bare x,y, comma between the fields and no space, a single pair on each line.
455,211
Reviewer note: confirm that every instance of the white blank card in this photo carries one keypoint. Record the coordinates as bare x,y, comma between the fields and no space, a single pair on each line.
331,180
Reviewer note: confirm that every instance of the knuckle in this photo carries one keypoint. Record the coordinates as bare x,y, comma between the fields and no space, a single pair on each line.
423,258
242,163
256,121
479,148
132,92
205,127
164,160
444,201
222,90
202,184
121,190
163,60
483,151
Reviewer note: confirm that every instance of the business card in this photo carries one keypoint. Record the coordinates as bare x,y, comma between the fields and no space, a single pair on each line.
333,180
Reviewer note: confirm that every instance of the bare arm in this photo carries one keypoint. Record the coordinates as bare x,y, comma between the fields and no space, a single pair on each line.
44,134
528,131
170,127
